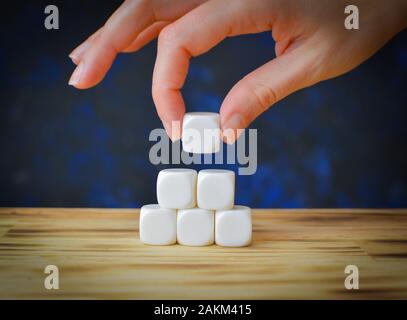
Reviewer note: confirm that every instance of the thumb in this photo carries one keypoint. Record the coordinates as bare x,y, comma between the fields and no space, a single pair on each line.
260,89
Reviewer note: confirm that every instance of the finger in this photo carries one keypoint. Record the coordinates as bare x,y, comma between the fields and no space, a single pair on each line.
260,89
281,46
141,40
77,53
119,31
122,28
185,38
146,36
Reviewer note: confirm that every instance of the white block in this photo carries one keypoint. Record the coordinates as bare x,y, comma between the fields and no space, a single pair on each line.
158,226
195,227
176,188
233,228
201,132
216,189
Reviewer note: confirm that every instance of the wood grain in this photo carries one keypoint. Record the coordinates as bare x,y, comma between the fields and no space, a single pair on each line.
296,254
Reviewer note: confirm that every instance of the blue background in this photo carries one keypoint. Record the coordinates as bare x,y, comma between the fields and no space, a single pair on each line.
341,143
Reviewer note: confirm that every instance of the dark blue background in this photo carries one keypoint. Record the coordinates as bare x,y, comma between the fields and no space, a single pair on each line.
341,143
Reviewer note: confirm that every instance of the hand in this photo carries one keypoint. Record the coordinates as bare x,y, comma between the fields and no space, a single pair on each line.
312,45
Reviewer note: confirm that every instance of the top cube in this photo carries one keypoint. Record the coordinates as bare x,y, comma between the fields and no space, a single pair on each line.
201,132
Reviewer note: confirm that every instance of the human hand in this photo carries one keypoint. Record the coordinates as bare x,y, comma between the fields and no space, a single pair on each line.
312,45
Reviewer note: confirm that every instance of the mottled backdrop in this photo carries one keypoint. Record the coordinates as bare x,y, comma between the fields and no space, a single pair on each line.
341,143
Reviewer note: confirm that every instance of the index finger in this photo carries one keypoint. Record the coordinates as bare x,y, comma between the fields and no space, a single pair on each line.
122,27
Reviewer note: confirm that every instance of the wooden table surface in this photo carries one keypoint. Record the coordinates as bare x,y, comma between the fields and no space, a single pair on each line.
296,254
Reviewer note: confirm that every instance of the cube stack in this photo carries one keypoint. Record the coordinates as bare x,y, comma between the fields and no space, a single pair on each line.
196,210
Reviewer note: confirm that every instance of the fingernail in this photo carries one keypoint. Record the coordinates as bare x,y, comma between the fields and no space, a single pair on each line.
176,130
74,58
76,75
228,136
229,128
173,130
78,52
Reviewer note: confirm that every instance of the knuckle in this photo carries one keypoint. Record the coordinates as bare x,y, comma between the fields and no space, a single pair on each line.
264,95
167,35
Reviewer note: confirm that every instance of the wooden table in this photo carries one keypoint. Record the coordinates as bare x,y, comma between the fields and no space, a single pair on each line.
296,254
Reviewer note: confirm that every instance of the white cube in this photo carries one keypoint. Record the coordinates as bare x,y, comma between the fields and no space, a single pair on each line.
158,226
195,227
216,189
201,132
176,188
233,228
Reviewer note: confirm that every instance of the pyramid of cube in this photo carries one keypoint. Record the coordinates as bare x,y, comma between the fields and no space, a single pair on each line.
196,209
